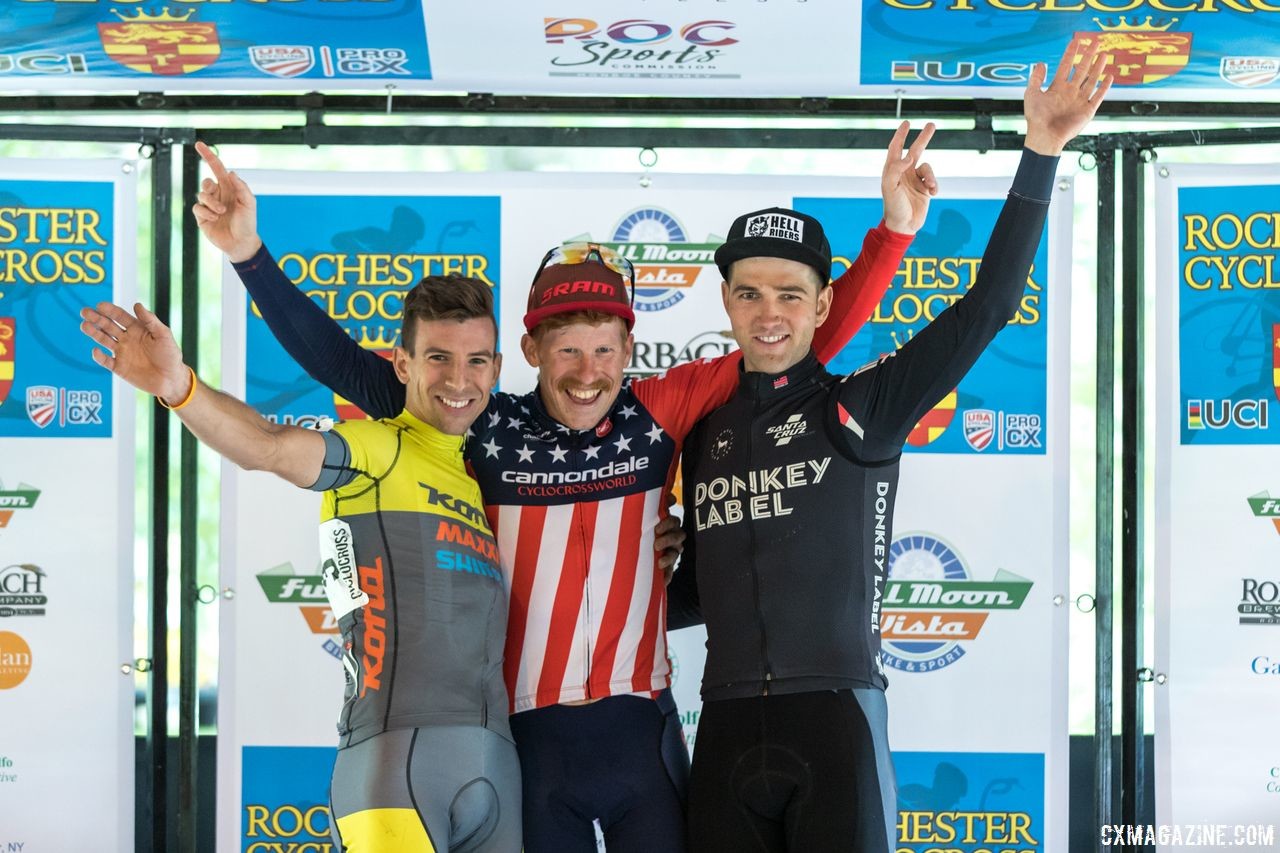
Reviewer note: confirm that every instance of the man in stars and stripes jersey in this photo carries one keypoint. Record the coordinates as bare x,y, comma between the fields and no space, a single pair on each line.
575,476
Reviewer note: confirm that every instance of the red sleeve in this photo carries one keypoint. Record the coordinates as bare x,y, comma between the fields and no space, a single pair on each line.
683,395
857,293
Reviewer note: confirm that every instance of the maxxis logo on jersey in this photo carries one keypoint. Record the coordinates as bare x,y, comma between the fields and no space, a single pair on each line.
666,263
933,607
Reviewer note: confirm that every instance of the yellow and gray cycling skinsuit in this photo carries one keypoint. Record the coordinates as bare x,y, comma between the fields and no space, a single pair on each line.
425,761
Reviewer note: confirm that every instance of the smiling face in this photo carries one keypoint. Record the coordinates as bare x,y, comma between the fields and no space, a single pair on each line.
774,306
579,366
449,371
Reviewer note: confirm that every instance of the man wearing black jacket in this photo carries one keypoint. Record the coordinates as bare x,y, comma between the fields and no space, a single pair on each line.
789,493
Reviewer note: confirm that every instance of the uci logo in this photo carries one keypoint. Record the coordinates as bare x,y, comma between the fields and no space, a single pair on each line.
634,31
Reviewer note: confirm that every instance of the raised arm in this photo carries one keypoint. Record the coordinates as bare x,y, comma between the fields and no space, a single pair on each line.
141,351
906,185
880,405
227,213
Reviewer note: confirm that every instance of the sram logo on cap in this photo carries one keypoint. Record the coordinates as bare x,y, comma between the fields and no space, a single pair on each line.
776,225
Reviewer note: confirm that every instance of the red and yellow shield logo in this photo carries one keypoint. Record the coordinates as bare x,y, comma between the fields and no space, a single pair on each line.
8,333
161,44
934,423
1138,53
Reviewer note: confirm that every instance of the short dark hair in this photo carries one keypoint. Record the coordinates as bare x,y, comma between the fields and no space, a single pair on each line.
445,297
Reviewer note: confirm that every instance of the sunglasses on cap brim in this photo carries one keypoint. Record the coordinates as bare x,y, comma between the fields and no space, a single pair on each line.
588,253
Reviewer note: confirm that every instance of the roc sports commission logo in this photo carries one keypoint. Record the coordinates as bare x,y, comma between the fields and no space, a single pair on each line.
582,47
932,605
281,586
666,263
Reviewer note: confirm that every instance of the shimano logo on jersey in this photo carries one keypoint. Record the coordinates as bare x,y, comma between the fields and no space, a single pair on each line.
338,568
728,500
453,505
611,469
794,427
880,550
776,225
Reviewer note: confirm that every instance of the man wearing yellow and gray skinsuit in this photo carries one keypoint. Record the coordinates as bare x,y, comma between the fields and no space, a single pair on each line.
425,759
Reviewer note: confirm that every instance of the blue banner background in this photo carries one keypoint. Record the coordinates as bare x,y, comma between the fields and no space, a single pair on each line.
391,33
1225,337
350,225
971,31
48,348
275,777
970,783
1010,376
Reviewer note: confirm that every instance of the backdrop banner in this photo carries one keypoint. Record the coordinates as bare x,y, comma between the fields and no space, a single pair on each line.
67,240
975,570
1217,494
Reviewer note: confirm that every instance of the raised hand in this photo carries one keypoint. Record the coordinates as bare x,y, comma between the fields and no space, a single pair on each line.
1055,115
226,210
139,349
906,184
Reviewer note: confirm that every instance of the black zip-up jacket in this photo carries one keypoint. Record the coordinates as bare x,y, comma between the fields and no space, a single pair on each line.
789,487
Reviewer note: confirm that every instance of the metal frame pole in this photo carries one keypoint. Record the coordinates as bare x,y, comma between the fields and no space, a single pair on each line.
1104,508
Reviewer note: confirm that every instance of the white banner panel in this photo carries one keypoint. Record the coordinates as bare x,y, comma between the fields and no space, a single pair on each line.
990,532
67,240
1218,495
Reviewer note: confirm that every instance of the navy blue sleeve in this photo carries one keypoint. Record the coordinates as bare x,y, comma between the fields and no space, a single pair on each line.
317,343
684,605
881,402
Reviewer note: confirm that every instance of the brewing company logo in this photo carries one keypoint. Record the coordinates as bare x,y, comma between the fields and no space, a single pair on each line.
1259,602
22,590
12,500
1265,506
282,60
932,605
666,263
1249,71
164,44
282,586
649,358
15,660
8,346
979,428
1139,53
582,47
1220,414
69,406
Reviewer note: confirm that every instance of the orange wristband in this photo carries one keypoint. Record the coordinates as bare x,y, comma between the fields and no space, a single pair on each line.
191,394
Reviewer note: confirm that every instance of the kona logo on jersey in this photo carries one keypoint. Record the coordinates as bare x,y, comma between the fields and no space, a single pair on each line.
1259,602
22,590
1220,414
454,505
932,605
729,500
1263,506
794,427
372,581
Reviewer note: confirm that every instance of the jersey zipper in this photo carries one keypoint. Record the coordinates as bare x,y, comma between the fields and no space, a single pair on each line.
755,573
581,533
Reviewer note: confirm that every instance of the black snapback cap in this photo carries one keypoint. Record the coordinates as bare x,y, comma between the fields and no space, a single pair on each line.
777,232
